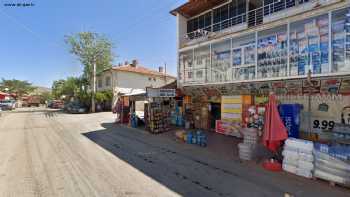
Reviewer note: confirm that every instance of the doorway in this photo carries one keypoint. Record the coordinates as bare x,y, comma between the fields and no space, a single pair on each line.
215,114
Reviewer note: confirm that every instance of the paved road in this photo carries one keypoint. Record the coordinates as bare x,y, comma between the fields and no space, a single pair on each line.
44,154
47,153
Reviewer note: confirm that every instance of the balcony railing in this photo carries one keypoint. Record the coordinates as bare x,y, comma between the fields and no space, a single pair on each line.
253,18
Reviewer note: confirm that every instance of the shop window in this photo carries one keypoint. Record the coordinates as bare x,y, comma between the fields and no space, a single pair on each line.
341,40
272,53
243,57
200,22
201,62
186,63
108,81
221,62
309,46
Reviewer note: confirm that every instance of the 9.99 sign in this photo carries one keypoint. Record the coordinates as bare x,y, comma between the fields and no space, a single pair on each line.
324,125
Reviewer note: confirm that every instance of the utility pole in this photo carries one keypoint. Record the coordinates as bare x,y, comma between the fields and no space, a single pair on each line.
93,110
165,73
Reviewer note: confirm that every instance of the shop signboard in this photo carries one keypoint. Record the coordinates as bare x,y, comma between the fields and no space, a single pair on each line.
345,86
279,87
159,92
313,87
126,101
294,87
330,86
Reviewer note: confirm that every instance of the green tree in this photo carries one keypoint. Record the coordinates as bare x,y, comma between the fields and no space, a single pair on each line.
17,87
91,49
57,88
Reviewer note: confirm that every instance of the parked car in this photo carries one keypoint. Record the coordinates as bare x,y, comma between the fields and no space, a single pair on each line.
7,104
55,104
76,108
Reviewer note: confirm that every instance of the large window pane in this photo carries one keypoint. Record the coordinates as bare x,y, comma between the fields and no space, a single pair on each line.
309,46
221,62
201,63
272,53
186,66
340,31
243,57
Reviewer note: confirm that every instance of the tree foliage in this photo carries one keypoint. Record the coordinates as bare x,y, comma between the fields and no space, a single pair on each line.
104,96
72,87
91,48
17,87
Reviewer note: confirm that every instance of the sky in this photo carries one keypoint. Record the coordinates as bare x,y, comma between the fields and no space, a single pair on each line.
32,43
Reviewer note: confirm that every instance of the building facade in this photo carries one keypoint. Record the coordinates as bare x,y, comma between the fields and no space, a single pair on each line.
233,53
125,78
253,40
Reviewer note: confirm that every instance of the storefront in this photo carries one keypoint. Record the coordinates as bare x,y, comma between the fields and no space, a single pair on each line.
158,109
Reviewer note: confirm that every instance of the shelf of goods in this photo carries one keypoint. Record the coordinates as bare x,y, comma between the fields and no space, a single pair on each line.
243,60
309,48
341,44
158,118
272,56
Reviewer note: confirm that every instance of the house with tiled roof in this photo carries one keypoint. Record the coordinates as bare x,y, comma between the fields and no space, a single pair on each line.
130,77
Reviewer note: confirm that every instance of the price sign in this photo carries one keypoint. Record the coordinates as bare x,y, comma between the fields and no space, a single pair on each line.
323,124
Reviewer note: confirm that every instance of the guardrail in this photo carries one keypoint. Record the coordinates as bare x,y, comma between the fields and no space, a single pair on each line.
253,18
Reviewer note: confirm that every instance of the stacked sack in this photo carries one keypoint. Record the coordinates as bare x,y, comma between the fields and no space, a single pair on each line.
332,164
250,140
298,157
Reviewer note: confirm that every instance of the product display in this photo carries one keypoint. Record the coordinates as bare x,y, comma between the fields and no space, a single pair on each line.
243,62
332,163
158,118
272,56
309,48
298,157
221,63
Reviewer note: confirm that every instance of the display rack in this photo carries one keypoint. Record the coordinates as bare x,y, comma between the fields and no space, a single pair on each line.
158,118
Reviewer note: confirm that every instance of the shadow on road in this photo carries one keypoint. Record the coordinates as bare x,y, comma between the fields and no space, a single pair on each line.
193,171
158,160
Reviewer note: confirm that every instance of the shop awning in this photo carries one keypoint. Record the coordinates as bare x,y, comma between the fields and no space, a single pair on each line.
129,91
136,92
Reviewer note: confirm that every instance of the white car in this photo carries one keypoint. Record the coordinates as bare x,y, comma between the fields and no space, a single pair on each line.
7,104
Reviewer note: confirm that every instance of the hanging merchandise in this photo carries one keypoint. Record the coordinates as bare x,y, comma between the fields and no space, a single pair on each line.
158,116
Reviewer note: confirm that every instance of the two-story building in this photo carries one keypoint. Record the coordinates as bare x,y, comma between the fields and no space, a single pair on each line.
253,47
131,78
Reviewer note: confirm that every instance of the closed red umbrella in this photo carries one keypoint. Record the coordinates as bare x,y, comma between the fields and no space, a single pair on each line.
274,130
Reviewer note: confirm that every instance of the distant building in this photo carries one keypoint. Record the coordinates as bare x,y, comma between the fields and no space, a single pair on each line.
124,79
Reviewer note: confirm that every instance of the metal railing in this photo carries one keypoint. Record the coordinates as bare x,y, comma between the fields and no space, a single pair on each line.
253,18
